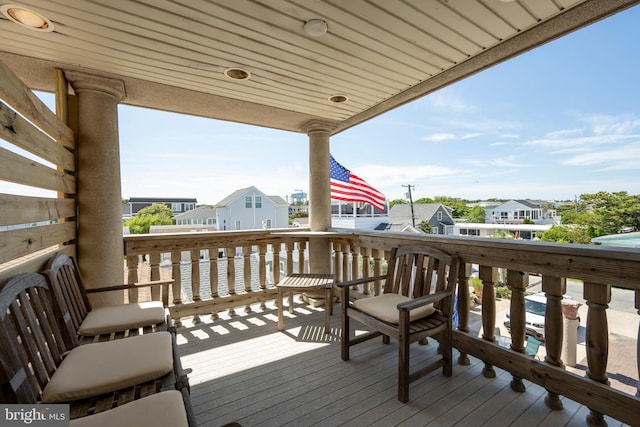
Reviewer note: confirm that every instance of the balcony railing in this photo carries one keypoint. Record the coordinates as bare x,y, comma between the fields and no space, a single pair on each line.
242,267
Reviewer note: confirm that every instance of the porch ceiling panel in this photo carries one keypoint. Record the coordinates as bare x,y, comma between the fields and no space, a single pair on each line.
380,54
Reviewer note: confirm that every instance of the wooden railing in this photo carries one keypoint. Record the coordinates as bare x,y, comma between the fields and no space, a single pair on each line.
246,256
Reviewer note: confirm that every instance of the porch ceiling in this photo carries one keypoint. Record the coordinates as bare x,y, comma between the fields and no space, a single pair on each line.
379,53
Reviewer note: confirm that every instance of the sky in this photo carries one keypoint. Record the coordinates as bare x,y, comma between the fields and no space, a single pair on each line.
556,122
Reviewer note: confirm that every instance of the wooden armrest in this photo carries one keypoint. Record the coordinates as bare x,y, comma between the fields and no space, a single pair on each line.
422,301
130,286
359,281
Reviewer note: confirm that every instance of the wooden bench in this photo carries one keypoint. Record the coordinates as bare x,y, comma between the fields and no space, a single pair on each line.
38,365
105,323
417,303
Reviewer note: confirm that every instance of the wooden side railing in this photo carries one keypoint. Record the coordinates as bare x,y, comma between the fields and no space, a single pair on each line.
363,254
242,267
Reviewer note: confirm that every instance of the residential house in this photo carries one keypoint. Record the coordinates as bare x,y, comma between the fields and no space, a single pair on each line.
250,209
201,216
517,211
177,205
518,231
437,215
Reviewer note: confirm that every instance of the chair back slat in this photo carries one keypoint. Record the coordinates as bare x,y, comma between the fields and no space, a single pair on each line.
32,343
68,287
419,270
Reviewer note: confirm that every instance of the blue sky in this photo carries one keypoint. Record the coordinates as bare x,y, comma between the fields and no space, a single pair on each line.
556,122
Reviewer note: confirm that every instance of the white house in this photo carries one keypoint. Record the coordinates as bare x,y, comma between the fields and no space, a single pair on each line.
202,215
518,231
250,209
517,211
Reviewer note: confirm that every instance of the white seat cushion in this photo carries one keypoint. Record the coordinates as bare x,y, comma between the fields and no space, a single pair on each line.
385,307
93,369
116,318
164,409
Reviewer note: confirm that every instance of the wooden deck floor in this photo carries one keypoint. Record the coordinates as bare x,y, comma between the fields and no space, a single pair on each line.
243,370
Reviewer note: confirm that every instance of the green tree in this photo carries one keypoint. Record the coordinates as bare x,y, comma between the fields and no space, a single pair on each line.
476,214
614,211
156,214
425,227
424,200
397,202
458,206
603,213
567,234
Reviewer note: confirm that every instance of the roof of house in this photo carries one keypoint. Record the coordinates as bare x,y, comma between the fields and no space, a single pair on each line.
401,213
199,212
277,200
162,200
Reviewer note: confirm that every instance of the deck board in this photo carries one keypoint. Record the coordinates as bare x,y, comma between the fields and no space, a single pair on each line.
243,370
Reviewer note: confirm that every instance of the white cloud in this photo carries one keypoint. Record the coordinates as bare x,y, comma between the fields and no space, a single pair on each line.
439,137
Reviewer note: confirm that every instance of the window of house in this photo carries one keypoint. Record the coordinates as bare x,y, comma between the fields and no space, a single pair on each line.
439,215
238,224
248,202
258,202
189,206
176,207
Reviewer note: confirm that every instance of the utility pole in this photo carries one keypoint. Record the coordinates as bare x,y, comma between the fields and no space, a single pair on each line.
413,216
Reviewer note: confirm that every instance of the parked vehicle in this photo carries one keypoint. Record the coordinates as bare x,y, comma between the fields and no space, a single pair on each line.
535,308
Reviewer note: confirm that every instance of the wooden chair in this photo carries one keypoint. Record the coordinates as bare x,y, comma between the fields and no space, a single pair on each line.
38,366
105,323
417,303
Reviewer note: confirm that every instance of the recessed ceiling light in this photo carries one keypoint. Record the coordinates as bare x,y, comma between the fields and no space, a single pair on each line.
237,74
338,99
315,27
27,18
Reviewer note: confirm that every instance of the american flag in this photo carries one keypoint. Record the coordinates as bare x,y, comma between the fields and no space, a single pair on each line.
351,188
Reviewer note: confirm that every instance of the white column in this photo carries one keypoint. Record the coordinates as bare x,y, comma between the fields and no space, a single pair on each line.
100,247
319,195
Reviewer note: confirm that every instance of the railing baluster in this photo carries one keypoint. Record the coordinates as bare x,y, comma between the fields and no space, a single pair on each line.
231,274
213,277
246,266
355,262
262,270
488,275
195,279
176,276
598,297
301,260
554,288
290,247
345,262
463,306
377,270
132,276
277,248
516,282
154,261
337,260
176,257
366,272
